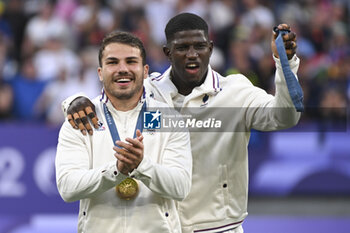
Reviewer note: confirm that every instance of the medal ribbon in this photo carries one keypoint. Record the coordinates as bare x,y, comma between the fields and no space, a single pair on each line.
128,188
113,128
294,89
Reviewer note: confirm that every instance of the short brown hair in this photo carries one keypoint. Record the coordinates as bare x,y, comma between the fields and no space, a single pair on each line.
123,38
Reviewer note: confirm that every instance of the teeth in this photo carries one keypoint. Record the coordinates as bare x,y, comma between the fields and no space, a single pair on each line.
191,65
123,80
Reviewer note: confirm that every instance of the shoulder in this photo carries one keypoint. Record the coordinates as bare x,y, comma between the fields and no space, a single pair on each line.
153,80
96,101
239,87
235,80
155,103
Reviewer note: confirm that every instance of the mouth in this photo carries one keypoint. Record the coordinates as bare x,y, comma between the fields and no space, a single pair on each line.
123,81
192,67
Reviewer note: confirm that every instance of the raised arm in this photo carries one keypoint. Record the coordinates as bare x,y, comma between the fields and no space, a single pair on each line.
269,112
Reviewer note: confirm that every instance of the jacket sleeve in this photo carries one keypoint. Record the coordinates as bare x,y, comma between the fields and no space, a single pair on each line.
74,177
267,112
171,177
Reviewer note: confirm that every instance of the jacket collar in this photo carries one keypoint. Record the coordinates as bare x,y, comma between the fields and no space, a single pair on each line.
211,85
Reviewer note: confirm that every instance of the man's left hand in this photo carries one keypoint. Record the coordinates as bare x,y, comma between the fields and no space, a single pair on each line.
289,39
130,154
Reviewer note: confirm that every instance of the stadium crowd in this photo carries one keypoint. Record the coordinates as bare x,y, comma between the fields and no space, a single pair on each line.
48,49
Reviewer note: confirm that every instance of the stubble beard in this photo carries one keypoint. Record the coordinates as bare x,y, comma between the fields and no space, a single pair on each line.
123,94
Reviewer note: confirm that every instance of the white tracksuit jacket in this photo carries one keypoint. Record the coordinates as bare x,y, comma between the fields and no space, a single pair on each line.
86,171
219,193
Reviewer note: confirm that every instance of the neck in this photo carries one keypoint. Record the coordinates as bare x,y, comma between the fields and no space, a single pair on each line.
182,88
124,104
185,88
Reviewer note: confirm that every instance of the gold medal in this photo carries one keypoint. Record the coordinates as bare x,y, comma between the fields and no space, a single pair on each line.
127,189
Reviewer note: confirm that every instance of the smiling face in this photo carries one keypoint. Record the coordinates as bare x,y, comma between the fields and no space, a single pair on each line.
189,53
122,73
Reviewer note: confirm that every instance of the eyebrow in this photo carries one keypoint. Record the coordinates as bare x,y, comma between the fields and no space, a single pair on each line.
189,43
127,58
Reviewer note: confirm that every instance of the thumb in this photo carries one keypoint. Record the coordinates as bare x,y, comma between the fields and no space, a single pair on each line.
274,35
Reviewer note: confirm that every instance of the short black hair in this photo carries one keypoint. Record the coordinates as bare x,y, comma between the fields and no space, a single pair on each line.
185,22
123,38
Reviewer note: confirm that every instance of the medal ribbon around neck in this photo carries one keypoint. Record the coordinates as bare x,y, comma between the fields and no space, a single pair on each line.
128,188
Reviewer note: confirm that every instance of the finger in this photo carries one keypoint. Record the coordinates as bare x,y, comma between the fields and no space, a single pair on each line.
290,53
291,36
85,121
135,143
280,27
92,116
134,159
128,162
139,135
121,160
131,160
290,44
283,26
274,34
80,124
121,166
128,148
71,121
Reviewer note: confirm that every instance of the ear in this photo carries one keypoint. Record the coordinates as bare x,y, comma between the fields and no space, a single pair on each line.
145,71
99,72
166,51
211,46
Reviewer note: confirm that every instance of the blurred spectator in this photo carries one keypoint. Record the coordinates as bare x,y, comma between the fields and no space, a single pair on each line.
91,21
59,34
66,85
50,102
333,104
88,81
55,57
6,99
17,20
8,65
257,17
221,14
240,58
332,110
217,60
198,7
44,26
155,58
27,88
158,13
65,9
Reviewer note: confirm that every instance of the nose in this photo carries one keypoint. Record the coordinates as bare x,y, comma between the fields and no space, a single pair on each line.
122,68
192,53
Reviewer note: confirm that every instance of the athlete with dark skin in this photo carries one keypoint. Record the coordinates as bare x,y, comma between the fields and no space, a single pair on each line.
185,46
218,198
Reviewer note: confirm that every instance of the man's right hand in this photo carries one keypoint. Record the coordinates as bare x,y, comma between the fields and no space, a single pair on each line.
80,110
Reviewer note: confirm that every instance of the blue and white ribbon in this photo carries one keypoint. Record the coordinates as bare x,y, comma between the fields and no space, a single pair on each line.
295,91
